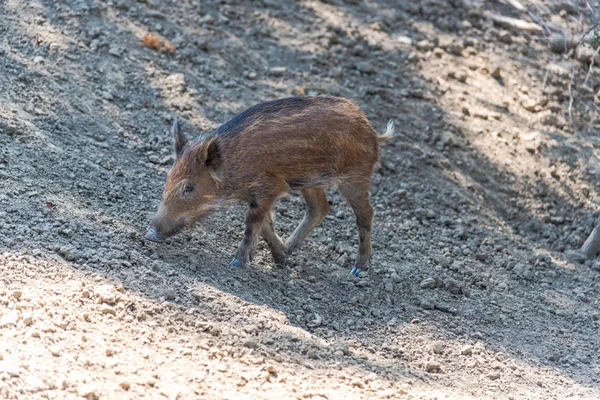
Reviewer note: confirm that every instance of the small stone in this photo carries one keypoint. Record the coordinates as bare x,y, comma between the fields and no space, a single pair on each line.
107,96
106,309
365,66
55,351
460,76
357,383
438,347
558,43
400,194
170,294
277,71
424,45
596,265
412,57
125,385
311,354
114,51
89,392
455,48
494,376
109,352
221,367
505,37
466,350
432,367
496,73
16,294
453,287
464,25
404,40
429,283
251,344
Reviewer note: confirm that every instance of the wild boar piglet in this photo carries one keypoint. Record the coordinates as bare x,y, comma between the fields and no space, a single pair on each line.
301,144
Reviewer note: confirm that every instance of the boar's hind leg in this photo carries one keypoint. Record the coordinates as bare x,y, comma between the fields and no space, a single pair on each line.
255,218
357,195
317,208
273,240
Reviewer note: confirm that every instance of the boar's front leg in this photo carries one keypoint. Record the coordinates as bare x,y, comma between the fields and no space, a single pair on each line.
257,214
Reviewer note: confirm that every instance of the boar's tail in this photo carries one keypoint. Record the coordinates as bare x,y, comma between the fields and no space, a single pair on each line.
389,132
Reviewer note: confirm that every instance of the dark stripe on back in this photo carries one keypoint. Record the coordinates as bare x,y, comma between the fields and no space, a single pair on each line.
262,110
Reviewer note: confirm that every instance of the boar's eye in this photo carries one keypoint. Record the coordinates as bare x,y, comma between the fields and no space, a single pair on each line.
188,188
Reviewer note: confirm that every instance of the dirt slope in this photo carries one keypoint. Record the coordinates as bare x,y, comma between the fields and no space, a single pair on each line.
480,199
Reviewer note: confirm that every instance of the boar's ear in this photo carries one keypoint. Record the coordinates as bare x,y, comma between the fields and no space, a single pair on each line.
209,154
179,137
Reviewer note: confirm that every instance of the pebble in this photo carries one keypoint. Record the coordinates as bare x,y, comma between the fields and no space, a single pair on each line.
429,283
365,66
494,376
432,367
277,71
88,392
466,350
460,76
558,44
438,347
114,51
453,287
405,40
106,309
424,45
170,294
505,37
55,351
496,73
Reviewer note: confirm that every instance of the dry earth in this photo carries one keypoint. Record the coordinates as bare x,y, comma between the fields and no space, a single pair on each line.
481,199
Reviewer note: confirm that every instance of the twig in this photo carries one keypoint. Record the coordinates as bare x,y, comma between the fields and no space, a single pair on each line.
591,65
516,4
597,24
544,81
514,23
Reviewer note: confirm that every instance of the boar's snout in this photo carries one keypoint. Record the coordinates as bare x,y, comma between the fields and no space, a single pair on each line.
154,236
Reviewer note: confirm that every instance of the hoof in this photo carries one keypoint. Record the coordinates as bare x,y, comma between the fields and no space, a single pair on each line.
356,271
280,262
236,263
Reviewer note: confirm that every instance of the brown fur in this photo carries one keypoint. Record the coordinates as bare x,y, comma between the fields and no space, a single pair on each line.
299,143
